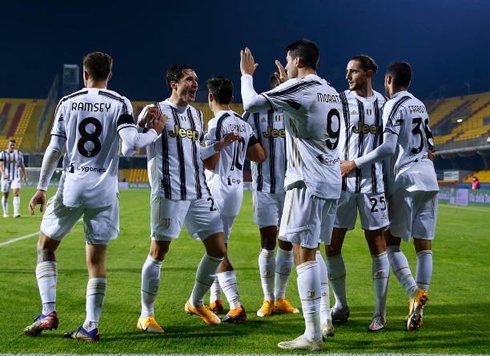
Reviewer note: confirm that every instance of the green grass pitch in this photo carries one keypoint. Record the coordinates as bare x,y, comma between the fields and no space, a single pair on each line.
456,318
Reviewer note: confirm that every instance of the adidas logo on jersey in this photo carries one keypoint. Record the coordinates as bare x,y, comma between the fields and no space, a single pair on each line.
184,133
263,120
354,112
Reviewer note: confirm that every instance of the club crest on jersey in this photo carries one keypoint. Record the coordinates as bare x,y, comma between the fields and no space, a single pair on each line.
184,133
311,294
274,133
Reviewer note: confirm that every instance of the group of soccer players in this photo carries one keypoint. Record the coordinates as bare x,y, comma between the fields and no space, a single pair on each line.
296,135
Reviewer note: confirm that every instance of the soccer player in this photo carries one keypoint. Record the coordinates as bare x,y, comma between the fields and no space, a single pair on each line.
224,171
88,123
10,162
268,201
180,195
312,119
362,190
411,185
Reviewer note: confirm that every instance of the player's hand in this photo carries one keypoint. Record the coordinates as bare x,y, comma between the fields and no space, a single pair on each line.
281,74
152,113
24,178
38,198
247,63
227,140
158,124
431,155
346,167
5,176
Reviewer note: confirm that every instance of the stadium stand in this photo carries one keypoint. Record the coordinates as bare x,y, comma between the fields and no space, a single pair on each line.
483,177
131,175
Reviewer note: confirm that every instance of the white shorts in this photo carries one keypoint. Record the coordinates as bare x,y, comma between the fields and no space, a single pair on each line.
373,211
10,184
413,214
307,220
267,208
100,224
227,225
200,216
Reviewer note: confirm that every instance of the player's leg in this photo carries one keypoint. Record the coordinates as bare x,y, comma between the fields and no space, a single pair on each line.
5,197
16,201
57,222
380,273
284,266
267,268
325,317
337,274
204,222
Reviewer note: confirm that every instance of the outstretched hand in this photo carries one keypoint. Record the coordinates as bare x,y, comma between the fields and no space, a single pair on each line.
281,74
38,198
247,62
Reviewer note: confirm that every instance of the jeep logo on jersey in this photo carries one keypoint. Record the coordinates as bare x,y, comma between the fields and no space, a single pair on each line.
184,133
365,128
274,133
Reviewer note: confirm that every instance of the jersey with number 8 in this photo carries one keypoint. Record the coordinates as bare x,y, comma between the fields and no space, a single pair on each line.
89,120
313,122
410,167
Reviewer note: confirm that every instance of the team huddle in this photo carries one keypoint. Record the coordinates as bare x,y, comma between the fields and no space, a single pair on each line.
318,158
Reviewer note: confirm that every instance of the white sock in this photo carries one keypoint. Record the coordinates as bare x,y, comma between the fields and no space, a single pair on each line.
16,205
150,280
228,283
423,273
205,275
325,300
310,294
5,205
336,275
284,266
267,269
47,276
96,288
215,291
400,267
381,274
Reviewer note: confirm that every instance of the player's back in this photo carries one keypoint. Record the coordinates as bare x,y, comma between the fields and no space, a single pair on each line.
410,166
88,119
268,126
226,179
313,119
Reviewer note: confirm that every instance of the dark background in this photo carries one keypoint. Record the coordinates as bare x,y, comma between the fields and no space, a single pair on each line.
446,42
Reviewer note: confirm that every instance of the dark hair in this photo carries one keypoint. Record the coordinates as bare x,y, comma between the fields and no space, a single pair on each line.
98,65
12,140
273,80
306,50
401,73
175,73
221,88
367,63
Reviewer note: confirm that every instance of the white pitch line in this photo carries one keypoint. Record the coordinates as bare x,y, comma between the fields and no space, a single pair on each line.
19,238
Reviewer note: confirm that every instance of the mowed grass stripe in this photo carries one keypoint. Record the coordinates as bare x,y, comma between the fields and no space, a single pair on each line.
457,316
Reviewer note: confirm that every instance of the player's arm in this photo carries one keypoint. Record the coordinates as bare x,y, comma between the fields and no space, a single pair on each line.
386,149
255,151
210,154
251,100
50,161
24,174
4,175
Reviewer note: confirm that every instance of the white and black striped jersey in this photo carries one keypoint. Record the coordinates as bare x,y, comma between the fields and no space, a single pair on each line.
268,126
175,168
313,112
361,133
89,120
409,167
226,179
11,163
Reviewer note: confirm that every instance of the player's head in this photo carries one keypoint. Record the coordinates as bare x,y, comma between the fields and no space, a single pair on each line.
97,67
12,144
301,54
273,81
397,78
220,90
359,72
182,83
